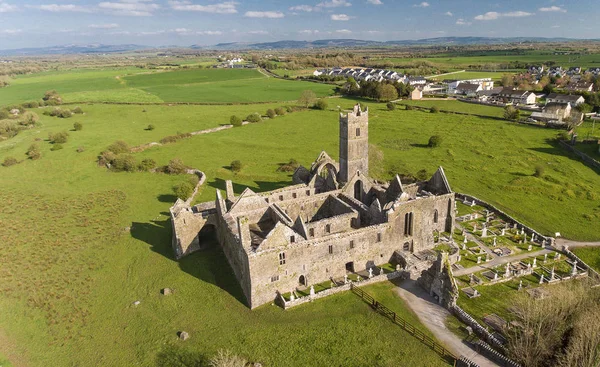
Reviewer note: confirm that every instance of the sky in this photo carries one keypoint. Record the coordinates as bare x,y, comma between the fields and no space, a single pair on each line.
37,23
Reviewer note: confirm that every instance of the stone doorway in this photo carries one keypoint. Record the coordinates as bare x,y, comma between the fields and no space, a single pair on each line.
207,237
358,190
350,266
302,280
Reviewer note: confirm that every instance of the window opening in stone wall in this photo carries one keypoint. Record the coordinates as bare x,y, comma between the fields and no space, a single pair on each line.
331,249
357,132
435,216
328,228
352,244
311,232
274,278
378,237
292,239
282,258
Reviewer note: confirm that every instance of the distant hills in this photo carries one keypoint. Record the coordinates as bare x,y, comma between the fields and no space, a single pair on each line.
280,45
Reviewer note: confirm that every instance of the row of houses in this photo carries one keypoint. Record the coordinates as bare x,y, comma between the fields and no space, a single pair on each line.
559,71
371,74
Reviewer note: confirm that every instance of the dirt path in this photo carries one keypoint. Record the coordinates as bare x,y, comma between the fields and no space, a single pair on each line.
560,242
433,316
499,261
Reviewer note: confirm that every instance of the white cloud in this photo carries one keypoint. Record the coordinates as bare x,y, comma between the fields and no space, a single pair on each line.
227,7
10,32
424,4
554,9
343,31
104,26
309,31
333,4
449,13
375,2
5,8
209,33
258,32
60,8
555,26
136,8
264,14
341,17
306,8
462,22
492,15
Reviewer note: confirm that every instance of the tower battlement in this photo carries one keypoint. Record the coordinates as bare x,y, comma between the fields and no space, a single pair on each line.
354,143
355,116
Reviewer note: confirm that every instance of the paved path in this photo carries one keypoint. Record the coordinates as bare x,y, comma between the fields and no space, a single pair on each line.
438,75
560,242
499,261
433,316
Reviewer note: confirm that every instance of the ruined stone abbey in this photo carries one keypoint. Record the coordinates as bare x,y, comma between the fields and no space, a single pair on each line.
333,220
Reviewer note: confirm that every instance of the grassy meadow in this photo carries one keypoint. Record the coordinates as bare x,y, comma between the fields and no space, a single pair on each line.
80,244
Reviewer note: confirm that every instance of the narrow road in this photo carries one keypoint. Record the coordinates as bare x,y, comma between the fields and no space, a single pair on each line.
560,242
454,72
433,316
499,261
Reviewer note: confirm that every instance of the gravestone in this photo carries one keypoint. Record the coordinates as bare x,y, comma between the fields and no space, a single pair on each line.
292,298
542,279
503,232
534,262
478,259
507,270
370,272
183,335
312,290
574,271
529,248
166,291
520,285
381,272
495,243
346,279
545,257
484,231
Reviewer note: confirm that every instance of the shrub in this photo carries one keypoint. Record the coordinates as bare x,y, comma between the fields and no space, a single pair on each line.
125,162
288,167
235,121
77,126
118,147
435,141
271,113
321,104
10,161
52,98
409,107
56,147
77,110
391,106
176,167
511,113
422,175
254,117
32,104
183,190
434,109
539,170
236,166
280,111
58,112
174,138
225,358
147,165
80,149
289,109
34,152
4,114
58,138
150,127
194,180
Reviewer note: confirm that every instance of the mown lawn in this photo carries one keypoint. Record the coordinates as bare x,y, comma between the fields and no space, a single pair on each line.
458,106
80,244
590,255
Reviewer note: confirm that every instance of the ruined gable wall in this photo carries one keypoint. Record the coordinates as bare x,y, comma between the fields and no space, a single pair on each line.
186,226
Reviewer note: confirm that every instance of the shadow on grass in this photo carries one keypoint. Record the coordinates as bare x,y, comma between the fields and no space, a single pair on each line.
417,145
555,149
167,198
209,265
173,356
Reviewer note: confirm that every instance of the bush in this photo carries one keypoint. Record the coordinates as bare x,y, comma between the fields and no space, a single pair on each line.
118,147
56,147
58,138
422,175
254,117
125,162
184,190
225,358
289,109
78,110
235,121
434,109
4,114
271,113
435,141
176,167
10,161
390,106
147,165
58,112
174,138
511,113
236,166
34,152
321,104
77,126
32,104
150,127
280,111
291,166
52,98
194,180
80,149
409,107
539,170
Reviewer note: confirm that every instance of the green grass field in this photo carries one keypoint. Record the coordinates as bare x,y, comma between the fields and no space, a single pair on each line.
458,106
496,76
590,255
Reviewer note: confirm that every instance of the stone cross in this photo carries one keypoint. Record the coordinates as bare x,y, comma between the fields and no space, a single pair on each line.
507,270
346,279
465,240
292,298
574,271
370,272
312,290
520,284
522,230
478,259
542,279
473,203
534,262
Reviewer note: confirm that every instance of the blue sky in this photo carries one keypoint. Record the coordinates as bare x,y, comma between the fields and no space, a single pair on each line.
35,23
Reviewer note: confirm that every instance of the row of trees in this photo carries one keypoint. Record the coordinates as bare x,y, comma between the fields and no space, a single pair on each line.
381,91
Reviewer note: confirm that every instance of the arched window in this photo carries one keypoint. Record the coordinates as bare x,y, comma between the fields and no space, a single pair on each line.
435,216
328,228
358,190
282,258
408,224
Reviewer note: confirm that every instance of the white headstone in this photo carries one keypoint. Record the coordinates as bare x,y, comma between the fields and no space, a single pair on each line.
465,240
544,243
534,262
574,271
557,256
474,227
507,270
503,232
475,293
495,243
397,267
545,257
484,231
292,298
520,284
542,279
458,258
464,247
529,248
312,290
514,225
552,273
532,237
478,259
473,203
346,279
381,272
370,272
495,276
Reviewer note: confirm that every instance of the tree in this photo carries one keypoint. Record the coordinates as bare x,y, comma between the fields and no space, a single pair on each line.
147,164
183,190
77,126
321,104
507,80
539,170
253,117
584,108
271,114
150,127
307,98
235,121
386,92
511,113
78,110
236,166
176,167
125,162
59,137
435,141
280,111
118,147
390,106
434,109
34,152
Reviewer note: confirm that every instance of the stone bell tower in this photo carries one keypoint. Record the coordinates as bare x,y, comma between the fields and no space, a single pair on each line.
354,143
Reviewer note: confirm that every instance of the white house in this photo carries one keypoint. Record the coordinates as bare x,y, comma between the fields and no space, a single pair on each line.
486,84
573,99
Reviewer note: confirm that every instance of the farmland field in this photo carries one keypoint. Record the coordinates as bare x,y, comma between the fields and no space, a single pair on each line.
80,244
458,106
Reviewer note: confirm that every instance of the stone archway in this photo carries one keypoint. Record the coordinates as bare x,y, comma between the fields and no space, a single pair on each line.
302,281
207,237
358,190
